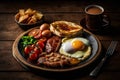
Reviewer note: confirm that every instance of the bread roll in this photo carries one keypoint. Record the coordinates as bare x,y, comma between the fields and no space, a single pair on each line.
66,29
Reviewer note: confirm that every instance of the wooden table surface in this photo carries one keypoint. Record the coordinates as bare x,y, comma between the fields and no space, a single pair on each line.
54,10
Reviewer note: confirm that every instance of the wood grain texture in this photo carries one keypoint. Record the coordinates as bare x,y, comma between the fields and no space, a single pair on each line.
32,76
8,63
70,10
8,27
56,5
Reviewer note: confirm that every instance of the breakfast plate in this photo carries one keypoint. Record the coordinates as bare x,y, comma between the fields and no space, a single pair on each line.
95,52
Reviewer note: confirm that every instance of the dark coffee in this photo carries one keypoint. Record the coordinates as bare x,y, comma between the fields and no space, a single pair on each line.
94,10
94,17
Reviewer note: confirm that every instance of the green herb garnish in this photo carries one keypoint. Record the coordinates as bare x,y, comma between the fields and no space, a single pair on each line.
27,40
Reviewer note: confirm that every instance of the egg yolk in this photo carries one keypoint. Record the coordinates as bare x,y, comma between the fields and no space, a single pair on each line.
78,45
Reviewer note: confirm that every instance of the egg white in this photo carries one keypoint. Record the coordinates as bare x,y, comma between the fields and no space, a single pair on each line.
67,49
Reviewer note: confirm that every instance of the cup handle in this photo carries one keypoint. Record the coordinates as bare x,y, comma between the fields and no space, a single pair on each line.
106,20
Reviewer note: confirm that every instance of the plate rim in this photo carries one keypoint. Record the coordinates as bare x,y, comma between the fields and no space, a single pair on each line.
17,55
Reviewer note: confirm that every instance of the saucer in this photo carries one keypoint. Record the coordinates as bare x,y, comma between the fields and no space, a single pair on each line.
103,28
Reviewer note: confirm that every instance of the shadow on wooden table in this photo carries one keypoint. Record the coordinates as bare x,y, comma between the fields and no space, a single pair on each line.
111,31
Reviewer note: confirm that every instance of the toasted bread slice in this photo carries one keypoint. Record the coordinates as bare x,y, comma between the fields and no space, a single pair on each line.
66,29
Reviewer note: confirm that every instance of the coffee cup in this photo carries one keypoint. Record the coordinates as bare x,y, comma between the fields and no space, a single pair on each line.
95,18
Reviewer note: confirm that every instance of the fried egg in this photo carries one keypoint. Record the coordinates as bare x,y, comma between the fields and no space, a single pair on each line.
76,47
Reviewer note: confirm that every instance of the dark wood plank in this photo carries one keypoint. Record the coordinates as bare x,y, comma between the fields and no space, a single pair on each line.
32,76
109,76
10,30
56,5
6,45
20,76
8,63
